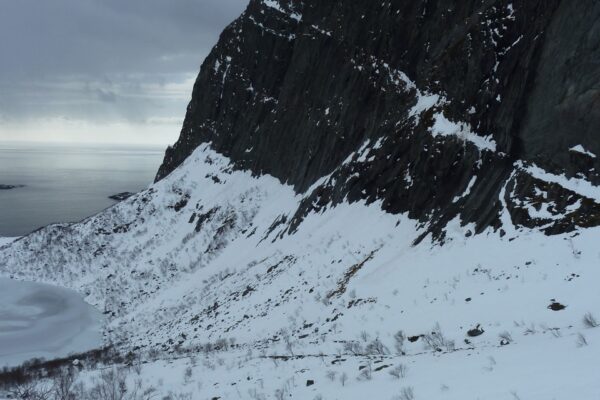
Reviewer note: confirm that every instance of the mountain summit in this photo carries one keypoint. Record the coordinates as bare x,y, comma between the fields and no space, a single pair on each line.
437,108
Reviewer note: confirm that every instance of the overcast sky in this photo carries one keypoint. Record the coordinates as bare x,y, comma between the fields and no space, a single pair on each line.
103,70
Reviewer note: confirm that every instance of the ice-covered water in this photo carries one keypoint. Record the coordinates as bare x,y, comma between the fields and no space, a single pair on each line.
43,321
63,183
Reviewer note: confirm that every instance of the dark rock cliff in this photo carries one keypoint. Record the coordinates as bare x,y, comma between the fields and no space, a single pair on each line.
430,106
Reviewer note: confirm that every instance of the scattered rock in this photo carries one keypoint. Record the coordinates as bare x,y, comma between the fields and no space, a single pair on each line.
382,367
477,331
181,203
557,306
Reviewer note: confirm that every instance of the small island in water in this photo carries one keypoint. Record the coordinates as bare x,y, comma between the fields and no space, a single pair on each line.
121,196
9,187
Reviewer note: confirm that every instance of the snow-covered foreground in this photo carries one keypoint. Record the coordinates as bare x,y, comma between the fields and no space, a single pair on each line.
43,321
537,367
215,255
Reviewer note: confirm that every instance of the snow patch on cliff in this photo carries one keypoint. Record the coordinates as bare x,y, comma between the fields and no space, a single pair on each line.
580,186
580,149
442,126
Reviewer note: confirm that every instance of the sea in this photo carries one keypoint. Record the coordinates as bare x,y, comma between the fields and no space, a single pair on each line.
67,183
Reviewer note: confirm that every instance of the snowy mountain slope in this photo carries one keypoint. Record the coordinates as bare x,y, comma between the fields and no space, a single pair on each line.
349,171
206,255
6,240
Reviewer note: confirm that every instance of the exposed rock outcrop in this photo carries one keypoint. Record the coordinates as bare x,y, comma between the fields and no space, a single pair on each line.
437,108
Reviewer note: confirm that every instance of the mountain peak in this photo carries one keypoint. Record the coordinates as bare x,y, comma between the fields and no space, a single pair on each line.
445,98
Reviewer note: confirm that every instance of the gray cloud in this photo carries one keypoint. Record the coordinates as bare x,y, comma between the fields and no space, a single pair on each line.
103,61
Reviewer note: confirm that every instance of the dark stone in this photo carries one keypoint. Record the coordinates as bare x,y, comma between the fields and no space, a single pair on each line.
413,339
181,203
294,98
477,331
202,218
381,368
121,196
249,289
310,382
557,306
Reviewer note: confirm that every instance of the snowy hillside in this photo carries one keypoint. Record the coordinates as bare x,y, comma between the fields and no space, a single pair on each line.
207,255
6,240
397,200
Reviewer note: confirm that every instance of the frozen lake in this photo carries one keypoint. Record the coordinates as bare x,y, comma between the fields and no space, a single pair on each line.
44,321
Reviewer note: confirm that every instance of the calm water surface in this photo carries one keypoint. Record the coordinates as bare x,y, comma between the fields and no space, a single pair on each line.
67,183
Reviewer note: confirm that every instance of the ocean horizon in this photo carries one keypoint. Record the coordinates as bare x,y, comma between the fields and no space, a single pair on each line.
58,183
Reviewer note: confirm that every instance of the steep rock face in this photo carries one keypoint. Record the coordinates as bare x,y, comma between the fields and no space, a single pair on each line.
434,107
564,105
